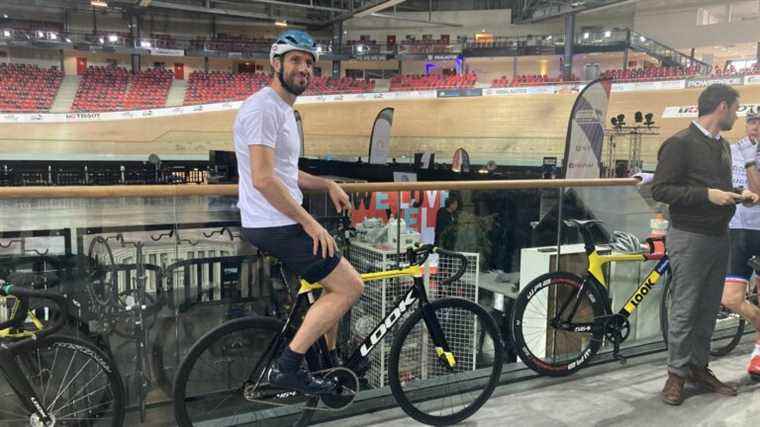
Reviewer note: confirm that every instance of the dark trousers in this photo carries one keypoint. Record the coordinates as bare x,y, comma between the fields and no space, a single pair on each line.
698,265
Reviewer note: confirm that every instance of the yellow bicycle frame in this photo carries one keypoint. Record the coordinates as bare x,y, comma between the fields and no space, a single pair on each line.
597,261
411,271
20,333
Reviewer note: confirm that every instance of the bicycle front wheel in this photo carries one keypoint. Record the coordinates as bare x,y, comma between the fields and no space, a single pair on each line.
209,387
552,324
76,382
423,384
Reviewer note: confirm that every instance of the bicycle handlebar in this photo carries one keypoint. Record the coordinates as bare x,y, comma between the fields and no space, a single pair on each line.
427,249
23,295
344,226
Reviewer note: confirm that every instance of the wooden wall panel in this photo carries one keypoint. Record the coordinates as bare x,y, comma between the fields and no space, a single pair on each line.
524,127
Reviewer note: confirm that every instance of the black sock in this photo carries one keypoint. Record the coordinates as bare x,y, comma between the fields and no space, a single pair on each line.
290,361
332,356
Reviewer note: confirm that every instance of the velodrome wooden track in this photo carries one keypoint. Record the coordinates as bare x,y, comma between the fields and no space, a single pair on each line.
520,127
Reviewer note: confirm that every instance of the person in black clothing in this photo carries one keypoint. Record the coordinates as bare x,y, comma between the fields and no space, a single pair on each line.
445,218
693,177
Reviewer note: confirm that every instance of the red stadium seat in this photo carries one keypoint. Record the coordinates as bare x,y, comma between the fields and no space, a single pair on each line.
28,88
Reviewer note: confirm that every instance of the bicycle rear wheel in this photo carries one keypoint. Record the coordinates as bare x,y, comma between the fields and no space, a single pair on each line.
209,385
425,387
542,316
75,381
729,326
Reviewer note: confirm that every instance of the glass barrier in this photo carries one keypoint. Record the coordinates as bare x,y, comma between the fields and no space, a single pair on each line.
148,278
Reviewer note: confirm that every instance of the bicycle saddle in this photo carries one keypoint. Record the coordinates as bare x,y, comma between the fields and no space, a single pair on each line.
581,223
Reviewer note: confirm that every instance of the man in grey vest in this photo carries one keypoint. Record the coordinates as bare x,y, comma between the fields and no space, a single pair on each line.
693,177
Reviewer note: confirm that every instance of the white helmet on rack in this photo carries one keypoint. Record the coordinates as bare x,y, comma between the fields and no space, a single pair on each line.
625,242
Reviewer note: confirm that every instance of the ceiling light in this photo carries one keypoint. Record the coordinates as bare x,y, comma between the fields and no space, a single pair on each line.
6,33
40,34
101,40
5,15
145,44
586,36
608,34
68,40
98,3
53,36
280,23
113,38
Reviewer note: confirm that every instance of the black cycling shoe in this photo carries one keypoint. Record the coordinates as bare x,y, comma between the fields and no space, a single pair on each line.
301,381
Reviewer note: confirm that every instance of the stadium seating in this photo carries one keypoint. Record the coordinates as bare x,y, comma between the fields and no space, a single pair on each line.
116,89
327,85
101,89
163,41
148,89
219,86
223,86
427,82
648,73
28,88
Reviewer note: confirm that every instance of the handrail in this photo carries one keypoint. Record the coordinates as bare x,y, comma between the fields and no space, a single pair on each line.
98,192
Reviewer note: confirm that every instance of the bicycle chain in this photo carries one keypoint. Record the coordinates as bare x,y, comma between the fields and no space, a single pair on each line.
247,393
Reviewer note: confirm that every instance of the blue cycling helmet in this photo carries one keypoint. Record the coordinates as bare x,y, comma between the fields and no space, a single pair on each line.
294,40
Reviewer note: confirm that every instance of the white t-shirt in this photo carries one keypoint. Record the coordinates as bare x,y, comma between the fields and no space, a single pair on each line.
746,218
266,119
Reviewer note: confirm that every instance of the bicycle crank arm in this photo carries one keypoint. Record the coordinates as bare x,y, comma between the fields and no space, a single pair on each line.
573,327
348,386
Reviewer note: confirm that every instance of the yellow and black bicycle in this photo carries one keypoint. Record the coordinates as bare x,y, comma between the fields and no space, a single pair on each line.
52,379
560,320
438,367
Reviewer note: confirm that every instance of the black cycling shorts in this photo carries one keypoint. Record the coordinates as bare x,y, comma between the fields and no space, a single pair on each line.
294,248
744,245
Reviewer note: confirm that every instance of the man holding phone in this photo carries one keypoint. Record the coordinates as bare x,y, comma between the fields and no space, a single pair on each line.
693,177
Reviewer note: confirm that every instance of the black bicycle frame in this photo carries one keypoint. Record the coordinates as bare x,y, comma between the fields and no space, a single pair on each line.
651,279
416,294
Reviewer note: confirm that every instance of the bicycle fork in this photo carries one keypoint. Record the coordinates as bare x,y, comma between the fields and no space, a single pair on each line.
442,349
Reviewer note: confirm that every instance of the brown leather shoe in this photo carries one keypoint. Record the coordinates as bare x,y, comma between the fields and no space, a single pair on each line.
672,393
707,379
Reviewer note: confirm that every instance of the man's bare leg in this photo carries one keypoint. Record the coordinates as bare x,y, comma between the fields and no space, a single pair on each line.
331,336
345,287
735,299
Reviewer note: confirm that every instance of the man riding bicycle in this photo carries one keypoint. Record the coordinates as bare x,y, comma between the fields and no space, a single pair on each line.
267,145
744,235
